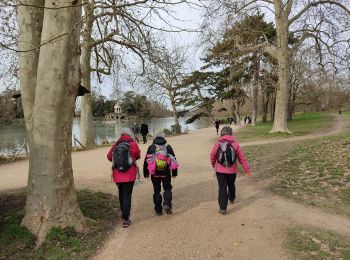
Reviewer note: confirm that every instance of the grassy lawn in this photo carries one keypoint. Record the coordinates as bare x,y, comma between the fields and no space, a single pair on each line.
317,172
17,242
301,124
311,243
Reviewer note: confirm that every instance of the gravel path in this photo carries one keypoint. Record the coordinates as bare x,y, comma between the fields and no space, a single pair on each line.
254,227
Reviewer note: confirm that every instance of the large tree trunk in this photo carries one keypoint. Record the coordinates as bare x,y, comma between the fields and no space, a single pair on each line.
290,106
237,111
86,117
265,107
255,97
30,20
280,118
51,197
176,116
291,102
173,105
272,108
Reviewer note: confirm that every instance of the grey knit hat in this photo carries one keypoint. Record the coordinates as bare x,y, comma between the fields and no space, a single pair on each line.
160,134
226,130
126,131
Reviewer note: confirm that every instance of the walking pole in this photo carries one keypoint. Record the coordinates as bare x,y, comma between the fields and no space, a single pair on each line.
138,174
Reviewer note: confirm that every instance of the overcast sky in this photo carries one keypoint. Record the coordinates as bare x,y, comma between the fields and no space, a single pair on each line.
187,18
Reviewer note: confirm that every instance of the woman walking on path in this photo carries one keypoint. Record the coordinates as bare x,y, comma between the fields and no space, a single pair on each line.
223,158
123,155
160,163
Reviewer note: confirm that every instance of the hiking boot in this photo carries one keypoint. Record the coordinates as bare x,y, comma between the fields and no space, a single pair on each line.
159,213
168,210
232,201
126,223
222,211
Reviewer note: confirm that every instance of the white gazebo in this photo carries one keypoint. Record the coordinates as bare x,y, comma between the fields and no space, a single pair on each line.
118,114
117,109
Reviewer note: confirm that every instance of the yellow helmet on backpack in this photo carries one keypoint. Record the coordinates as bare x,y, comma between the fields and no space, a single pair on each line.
161,165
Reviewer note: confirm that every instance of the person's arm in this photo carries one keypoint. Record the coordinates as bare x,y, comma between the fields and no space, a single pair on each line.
145,164
135,151
110,153
171,151
213,154
242,160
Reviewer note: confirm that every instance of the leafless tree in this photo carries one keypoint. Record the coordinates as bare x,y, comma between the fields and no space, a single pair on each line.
110,28
163,74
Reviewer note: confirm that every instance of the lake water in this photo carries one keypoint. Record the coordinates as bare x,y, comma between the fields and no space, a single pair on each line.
12,136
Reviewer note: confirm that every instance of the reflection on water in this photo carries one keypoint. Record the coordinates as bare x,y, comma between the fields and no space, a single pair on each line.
12,136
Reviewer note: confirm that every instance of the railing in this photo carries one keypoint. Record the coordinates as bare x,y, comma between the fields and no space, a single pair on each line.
18,151
77,141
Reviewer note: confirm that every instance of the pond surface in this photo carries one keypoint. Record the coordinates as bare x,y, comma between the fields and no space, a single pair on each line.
12,136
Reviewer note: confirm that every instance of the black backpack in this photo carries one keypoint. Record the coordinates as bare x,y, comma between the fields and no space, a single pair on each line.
225,154
121,159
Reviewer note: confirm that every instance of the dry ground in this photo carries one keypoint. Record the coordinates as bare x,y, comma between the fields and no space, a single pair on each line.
254,228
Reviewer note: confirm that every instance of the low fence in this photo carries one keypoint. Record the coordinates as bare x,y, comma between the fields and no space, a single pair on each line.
12,153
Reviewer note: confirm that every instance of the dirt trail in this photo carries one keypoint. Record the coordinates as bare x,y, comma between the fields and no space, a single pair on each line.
254,227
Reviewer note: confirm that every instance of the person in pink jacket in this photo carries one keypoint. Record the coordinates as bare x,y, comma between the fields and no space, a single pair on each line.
125,179
223,159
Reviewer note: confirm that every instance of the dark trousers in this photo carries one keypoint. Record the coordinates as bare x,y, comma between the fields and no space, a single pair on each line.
227,189
167,195
144,136
136,138
217,130
125,192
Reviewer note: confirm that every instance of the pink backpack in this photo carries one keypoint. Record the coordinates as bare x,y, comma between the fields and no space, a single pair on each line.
160,155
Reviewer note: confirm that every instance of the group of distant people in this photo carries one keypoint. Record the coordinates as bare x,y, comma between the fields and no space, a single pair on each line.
161,165
230,120
247,120
137,130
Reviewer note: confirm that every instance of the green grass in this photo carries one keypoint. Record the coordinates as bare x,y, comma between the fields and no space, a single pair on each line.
311,243
16,242
301,124
317,173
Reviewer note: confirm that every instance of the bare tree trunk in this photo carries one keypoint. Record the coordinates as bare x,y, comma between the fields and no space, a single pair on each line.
176,116
290,109
51,197
237,111
291,106
280,118
272,109
86,117
265,107
255,97
30,20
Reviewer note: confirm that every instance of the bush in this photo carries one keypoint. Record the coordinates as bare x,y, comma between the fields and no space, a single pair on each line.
176,129
167,131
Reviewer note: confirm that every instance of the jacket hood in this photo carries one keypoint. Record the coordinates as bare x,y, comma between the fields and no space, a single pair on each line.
227,138
125,138
159,140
